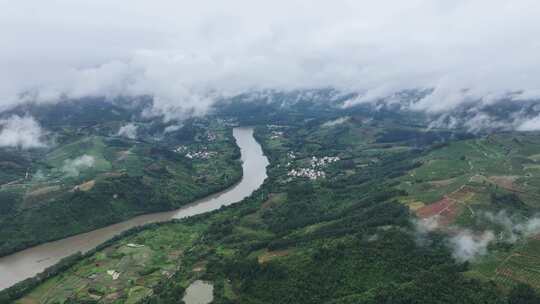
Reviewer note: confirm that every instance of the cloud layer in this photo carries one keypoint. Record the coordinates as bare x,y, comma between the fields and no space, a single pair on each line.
21,132
128,131
73,167
187,53
467,245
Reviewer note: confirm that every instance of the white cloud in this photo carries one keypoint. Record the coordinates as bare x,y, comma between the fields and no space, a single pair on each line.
172,128
467,245
464,244
73,167
483,121
129,131
187,53
425,225
23,132
422,227
532,124
513,227
335,122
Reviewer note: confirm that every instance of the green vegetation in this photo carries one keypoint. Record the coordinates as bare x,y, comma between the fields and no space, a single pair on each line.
91,178
347,234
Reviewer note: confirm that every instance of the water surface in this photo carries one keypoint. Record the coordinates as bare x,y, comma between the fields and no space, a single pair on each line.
29,262
199,292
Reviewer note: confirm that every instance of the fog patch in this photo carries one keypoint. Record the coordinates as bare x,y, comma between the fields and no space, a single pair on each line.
532,124
128,131
74,167
445,121
481,121
336,122
195,53
425,225
513,227
422,228
21,132
464,244
172,128
467,245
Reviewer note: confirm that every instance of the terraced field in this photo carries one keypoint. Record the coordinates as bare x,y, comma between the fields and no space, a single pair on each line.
346,237
126,271
497,162
461,182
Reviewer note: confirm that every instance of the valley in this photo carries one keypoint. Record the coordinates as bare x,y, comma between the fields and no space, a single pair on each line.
356,216
90,178
27,263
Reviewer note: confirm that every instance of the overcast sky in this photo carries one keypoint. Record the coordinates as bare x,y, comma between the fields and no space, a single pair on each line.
186,52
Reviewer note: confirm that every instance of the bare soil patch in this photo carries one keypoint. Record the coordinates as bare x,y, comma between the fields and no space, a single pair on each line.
447,209
505,181
86,186
42,191
267,256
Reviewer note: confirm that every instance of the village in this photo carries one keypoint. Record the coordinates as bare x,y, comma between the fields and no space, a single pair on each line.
202,153
315,171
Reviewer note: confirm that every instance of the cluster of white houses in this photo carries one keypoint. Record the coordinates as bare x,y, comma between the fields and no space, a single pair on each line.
210,136
323,161
276,134
315,171
180,149
200,154
310,173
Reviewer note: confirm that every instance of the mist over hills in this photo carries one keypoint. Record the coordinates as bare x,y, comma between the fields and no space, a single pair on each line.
389,150
196,54
479,115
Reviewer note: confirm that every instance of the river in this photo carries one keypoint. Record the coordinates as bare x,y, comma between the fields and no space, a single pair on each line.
29,262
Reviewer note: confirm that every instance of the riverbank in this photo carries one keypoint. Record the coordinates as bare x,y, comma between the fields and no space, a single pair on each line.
28,263
123,179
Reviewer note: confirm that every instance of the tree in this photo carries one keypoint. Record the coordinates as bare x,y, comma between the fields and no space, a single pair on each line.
523,294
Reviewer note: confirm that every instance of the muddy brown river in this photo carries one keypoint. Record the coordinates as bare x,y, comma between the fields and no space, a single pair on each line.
29,262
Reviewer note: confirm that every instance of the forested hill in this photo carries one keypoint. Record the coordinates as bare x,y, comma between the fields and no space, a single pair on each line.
355,210
97,163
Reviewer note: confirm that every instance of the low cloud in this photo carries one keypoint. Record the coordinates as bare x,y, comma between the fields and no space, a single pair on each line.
426,225
194,53
422,228
512,227
336,122
128,131
467,246
532,124
74,167
172,128
501,115
464,244
22,132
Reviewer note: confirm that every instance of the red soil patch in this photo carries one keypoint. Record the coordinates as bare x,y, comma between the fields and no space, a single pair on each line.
434,209
507,272
447,210
463,194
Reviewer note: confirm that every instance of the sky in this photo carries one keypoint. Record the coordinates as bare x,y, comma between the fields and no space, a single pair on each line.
188,53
